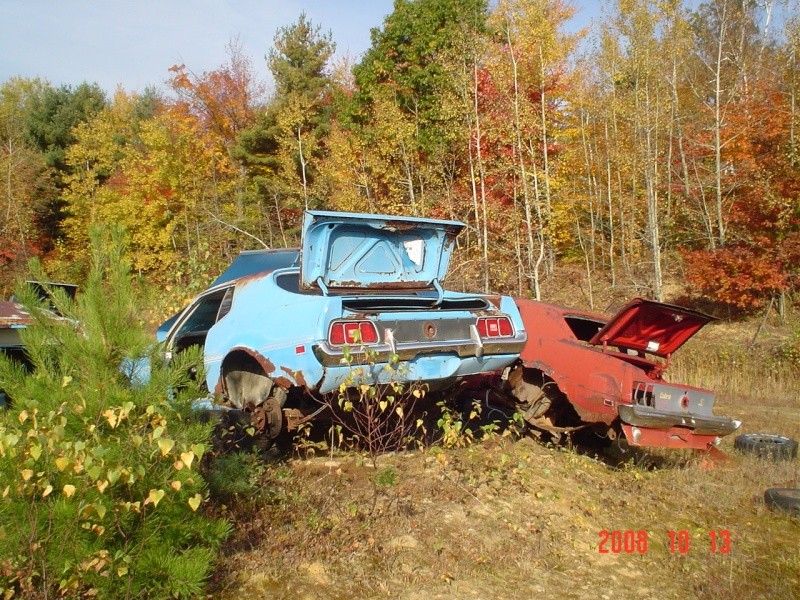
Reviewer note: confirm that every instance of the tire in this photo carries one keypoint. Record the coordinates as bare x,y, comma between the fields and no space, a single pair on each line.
765,445
783,499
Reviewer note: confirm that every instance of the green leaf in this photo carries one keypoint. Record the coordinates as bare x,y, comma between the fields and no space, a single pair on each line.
165,445
154,497
199,450
194,501
35,451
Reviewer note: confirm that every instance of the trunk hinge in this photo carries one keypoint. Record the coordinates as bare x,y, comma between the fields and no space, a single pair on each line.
322,286
439,291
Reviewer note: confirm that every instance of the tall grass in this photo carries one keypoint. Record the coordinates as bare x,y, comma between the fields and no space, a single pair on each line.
734,368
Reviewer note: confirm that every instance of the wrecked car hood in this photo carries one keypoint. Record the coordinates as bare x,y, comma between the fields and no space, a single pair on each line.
13,317
651,327
345,251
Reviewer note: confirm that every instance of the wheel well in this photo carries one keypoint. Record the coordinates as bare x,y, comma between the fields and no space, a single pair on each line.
244,379
560,411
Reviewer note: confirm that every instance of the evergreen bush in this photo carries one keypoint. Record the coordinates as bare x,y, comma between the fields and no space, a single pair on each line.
100,493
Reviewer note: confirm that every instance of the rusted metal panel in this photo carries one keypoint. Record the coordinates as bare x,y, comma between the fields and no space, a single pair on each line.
371,252
674,437
598,381
13,315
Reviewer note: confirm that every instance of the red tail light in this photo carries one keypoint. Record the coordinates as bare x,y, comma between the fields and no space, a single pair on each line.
494,327
352,333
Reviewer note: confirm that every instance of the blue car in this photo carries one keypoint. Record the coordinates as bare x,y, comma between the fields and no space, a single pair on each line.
280,327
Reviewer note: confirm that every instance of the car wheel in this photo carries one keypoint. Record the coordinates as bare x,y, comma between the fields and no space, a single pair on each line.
764,445
783,499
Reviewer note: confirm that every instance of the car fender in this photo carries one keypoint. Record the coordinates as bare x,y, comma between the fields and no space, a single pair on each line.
279,335
591,381
594,396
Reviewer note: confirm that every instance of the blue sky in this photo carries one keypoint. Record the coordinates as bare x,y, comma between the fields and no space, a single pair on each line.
133,43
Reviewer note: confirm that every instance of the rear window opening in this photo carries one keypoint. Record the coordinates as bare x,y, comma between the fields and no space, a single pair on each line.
583,328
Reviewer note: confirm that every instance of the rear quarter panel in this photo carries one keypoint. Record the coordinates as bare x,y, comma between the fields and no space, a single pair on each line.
594,383
278,327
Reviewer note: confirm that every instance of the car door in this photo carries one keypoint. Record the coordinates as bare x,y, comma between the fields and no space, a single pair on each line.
192,327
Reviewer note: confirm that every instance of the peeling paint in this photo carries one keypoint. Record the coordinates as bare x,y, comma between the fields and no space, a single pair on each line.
13,315
597,380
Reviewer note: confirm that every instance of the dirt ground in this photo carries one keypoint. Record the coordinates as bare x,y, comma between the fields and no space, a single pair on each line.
511,518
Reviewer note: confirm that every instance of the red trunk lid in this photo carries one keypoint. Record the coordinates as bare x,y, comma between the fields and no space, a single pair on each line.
651,327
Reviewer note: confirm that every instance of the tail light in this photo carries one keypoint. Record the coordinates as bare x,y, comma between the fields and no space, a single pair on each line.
344,333
494,327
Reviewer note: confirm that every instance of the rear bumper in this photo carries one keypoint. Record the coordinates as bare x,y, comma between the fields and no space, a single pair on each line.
674,437
644,417
335,356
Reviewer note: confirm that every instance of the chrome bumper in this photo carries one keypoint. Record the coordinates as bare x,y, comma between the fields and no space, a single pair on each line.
643,416
332,356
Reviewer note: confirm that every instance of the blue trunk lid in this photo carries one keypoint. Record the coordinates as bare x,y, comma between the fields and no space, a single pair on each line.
354,251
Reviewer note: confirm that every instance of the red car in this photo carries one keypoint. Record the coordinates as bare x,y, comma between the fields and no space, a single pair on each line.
583,371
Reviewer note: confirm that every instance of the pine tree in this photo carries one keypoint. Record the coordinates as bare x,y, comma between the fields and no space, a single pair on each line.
99,456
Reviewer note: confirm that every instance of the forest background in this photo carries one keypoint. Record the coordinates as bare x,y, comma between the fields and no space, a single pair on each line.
657,155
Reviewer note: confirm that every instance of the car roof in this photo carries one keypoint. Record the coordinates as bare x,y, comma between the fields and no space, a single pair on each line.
250,262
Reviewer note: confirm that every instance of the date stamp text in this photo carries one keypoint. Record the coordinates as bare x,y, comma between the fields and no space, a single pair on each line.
631,541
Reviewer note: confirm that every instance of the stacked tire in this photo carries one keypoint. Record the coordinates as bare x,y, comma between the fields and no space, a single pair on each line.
776,448
765,445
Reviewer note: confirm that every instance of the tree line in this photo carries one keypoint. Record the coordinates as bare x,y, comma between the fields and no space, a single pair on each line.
663,145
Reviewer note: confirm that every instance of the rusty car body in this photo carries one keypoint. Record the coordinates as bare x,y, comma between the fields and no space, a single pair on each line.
282,328
584,371
14,318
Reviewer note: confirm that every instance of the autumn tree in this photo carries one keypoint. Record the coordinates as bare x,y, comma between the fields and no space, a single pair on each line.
49,123
158,177
724,51
28,182
740,144
643,97
223,104
413,66
284,147
530,70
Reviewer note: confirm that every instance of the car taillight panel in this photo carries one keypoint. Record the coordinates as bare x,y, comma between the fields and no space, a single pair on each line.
495,327
343,333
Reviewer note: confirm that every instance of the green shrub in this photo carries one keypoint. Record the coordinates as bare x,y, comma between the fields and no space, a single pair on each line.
373,408
101,494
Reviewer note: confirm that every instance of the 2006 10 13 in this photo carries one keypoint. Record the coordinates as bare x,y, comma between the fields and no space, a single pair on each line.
631,541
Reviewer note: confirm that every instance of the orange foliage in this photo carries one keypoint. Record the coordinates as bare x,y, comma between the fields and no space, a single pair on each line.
739,276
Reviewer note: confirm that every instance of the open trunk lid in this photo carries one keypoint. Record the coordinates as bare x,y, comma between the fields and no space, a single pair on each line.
353,251
651,327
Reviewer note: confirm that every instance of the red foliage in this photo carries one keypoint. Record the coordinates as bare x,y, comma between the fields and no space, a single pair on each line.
740,276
